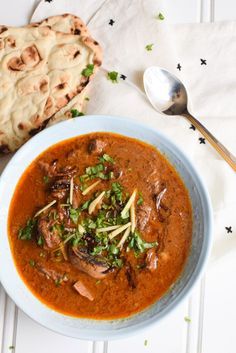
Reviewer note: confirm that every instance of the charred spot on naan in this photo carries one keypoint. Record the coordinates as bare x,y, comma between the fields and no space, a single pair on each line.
3,29
29,58
10,42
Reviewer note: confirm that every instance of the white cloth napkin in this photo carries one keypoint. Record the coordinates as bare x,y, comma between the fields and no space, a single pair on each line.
202,55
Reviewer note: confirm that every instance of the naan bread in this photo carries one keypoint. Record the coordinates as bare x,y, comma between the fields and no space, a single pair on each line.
67,23
40,72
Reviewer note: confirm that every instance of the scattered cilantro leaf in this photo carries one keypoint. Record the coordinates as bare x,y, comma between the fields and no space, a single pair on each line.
145,343
26,232
138,244
113,76
149,47
85,205
40,241
87,99
75,113
140,199
74,214
88,71
11,347
106,158
32,262
187,319
117,191
160,16
46,179
58,282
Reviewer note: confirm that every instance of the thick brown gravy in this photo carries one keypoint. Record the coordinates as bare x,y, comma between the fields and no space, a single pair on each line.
163,217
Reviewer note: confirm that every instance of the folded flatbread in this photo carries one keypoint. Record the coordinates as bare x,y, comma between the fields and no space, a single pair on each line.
41,71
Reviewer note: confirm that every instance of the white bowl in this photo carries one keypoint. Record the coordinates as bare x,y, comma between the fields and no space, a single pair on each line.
201,238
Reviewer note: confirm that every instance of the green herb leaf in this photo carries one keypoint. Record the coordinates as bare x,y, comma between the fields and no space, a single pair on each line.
187,319
26,232
32,263
40,241
58,282
46,179
74,214
88,71
149,47
75,113
117,263
106,158
145,343
87,98
85,205
140,199
117,190
138,244
160,16
113,249
113,76
97,250
11,347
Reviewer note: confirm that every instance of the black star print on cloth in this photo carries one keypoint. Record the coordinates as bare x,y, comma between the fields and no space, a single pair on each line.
202,140
192,127
229,229
179,67
48,0
123,77
111,22
203,61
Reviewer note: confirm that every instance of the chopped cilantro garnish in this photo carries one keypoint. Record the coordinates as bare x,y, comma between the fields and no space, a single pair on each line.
106,158
74,214
32,263
117,190
46,179
149,47
91,171
98,282
85,205
26,232
75,113
87,98
97,250
117,262
88,71
113,249
140,199
11,347
58,282
40,241
160,16
187,319
138,244
113,76
145,342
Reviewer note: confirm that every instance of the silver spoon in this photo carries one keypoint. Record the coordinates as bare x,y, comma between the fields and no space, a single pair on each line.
168,96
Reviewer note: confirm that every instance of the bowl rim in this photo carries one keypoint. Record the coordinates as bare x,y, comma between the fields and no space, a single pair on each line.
204,256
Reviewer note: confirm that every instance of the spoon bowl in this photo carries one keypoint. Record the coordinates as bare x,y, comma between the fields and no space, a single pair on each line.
168,96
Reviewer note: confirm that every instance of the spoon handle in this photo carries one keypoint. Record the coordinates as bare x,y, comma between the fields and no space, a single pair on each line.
222,150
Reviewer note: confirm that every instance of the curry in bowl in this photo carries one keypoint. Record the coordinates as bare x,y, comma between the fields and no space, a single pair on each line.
100,226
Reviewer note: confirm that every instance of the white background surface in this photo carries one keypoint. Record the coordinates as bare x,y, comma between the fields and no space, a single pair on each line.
211,307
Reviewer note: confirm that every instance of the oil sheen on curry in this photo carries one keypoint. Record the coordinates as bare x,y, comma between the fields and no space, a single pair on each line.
100,226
